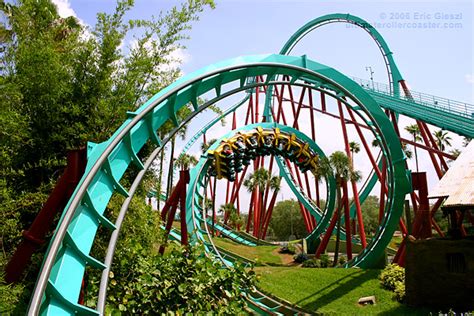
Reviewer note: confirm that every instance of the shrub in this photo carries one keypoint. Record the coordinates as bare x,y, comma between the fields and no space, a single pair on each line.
312,263
10,297
392,274
342,260
300,258
393,279
181,282
400,291
325,260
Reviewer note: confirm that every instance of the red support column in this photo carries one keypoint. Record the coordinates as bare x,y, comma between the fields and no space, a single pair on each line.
249,219
298,110
347,222
323,102
239,184
423,217
425,138
354,185
183,174
327,235
382,190
33,238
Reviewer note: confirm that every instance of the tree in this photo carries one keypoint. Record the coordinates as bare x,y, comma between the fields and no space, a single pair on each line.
442,139
76,87
455,152
370,209
354,148
257,183
466,141
407,151
184,161
414,130
205,146
287,220
63,84
275,185
234,219
340,167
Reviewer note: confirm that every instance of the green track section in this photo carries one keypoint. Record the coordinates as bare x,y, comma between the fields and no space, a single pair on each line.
442,117
60,279
199,175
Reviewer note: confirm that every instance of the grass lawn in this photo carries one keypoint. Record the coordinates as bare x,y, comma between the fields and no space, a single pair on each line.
261,254
332,291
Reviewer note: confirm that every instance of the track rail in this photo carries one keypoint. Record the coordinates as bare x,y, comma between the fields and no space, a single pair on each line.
59,282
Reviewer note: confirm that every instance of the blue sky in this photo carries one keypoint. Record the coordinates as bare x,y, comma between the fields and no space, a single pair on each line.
436,60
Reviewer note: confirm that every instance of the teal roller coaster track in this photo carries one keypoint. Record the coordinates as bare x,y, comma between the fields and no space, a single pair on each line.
59,282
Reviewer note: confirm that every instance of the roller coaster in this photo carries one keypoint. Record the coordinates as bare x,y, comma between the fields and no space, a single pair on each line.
282,99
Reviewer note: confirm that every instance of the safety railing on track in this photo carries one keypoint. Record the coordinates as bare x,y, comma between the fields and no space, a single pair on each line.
440,103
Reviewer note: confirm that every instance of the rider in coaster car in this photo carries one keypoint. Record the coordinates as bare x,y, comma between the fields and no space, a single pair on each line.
252,142
227,152
281,147
303,157
228,162
239,149
212,169
294,148
239,146
268,141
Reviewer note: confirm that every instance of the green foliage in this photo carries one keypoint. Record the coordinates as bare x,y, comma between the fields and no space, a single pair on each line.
63,84
400,291
287,220
393,278
325,260
142,280
312,263
391,275
185,161
9,296
370,214
234,219
183,281
342,260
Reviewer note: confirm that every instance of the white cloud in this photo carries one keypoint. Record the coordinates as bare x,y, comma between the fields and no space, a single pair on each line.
64,8
469,78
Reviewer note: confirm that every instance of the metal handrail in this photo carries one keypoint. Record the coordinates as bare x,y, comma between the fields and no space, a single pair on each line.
439,103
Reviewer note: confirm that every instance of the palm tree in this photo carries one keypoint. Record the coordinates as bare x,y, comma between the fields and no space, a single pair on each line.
354,148
275,185
455,152
407,151
184,161
205,146
466,141
375,143
414,130
257,183
442,139
233,216
339,166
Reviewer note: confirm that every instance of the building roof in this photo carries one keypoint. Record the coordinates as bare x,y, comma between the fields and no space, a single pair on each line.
458,182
